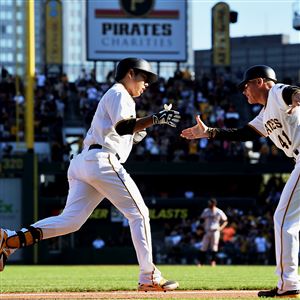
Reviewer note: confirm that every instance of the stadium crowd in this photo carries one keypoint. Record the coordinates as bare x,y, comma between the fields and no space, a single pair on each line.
59,104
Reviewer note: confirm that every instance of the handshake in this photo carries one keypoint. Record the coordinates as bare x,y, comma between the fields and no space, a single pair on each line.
166,116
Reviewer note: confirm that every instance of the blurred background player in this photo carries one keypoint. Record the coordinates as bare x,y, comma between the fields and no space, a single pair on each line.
215,221
97,173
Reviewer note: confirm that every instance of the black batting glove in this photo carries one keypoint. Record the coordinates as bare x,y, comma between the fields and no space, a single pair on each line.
166,116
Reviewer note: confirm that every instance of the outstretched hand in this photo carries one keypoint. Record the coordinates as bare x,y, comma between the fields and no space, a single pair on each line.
196,132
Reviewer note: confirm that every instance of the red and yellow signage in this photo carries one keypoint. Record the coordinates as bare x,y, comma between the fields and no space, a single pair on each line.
155,30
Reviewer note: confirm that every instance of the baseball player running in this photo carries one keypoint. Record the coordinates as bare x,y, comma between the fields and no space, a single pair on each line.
279,119
215,221
97,173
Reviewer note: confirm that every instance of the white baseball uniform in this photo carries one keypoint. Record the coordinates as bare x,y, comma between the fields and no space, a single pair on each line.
284,130
98,173
212,220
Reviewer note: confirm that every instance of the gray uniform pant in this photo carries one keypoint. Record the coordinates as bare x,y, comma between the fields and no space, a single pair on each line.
211,241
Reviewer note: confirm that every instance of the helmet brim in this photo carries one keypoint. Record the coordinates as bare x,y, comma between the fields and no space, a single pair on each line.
151,77
241,85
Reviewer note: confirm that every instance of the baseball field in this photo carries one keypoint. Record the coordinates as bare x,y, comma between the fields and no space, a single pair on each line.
120,282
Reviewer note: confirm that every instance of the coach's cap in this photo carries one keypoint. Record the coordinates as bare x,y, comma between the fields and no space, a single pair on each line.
135,63
257,71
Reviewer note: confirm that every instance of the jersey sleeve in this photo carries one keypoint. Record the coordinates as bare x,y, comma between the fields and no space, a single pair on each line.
121,107
203,214
223,216
258,125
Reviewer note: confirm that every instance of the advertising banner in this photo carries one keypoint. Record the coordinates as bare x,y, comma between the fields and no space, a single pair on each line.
220,34
53,48
153,30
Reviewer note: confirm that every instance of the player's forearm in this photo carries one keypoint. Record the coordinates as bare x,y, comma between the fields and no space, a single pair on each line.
243,134
131,126
143,123
223,225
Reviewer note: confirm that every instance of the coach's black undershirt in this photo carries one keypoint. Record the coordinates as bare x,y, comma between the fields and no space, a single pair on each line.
243,134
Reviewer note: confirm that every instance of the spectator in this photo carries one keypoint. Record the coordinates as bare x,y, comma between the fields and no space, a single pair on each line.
232,117
228,233
98,243
261,249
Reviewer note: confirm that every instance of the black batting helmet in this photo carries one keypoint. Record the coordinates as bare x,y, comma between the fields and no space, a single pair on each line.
257,71
134,63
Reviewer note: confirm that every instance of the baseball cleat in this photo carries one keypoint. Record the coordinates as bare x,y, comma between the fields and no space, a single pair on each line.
275,294
163,285
3,250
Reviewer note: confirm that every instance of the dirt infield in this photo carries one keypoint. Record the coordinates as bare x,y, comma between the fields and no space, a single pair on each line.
133,295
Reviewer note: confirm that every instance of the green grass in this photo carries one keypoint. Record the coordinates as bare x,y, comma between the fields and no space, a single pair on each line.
121,277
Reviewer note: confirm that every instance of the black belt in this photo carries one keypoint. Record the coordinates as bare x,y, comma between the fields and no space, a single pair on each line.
97,146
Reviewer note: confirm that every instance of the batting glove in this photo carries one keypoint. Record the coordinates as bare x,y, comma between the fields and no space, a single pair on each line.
167,116
139,136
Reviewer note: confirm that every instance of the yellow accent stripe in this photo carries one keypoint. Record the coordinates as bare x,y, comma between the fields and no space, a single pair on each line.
281,233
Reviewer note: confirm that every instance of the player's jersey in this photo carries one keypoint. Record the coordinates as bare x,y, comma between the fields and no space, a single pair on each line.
213,218
115,105
274,121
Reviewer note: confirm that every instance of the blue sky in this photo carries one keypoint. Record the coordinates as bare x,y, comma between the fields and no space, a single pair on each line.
255,17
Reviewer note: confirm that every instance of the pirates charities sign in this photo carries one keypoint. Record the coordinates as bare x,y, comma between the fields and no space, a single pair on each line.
153,30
